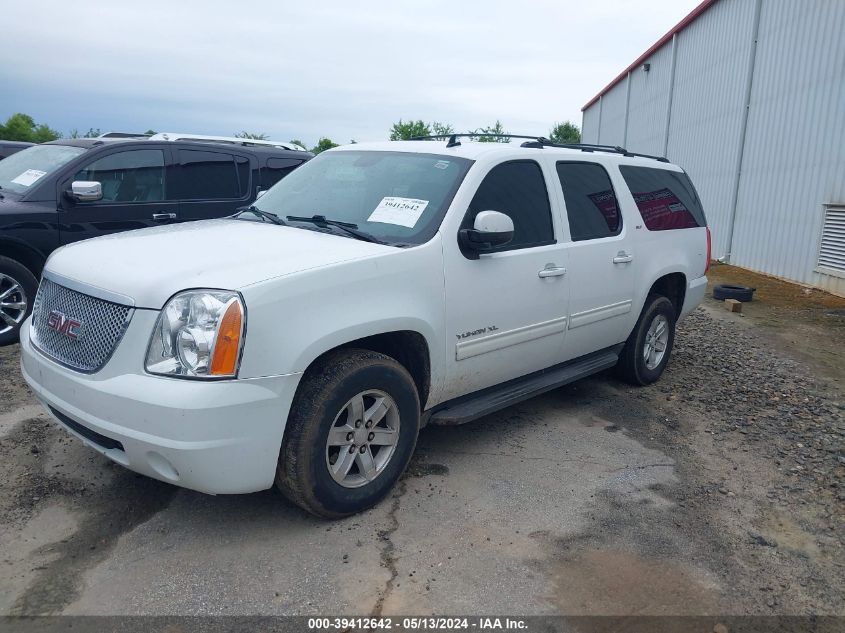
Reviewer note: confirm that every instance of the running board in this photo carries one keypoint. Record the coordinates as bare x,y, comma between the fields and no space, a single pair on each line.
473,406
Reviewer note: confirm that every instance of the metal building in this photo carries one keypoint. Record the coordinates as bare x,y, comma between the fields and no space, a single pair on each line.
749,97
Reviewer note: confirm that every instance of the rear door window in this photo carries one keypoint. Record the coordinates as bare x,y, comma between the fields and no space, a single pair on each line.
666,199
276,169
591,204
206,175
517,189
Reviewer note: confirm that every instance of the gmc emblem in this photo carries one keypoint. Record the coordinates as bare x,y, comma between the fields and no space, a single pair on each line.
64,324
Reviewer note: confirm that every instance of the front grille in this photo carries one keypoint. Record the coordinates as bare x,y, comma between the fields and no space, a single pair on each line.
84,347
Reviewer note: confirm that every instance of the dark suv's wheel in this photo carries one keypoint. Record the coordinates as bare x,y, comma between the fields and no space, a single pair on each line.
17,292
351,431
647,349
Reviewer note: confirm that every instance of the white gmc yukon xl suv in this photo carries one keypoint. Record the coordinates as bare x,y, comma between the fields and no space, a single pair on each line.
376,289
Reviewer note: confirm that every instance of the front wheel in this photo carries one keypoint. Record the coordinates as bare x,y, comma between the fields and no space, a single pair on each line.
17,292
350,434
647,349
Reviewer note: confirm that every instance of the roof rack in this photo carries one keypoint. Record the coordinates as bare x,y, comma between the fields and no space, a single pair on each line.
124,135
233,140
540,142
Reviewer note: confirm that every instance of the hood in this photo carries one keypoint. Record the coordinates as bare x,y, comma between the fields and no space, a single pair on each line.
151,265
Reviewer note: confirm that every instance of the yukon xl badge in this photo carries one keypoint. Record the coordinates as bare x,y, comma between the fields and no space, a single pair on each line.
64,324
489,328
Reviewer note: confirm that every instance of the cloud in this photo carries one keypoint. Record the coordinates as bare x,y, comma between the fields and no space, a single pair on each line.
341,69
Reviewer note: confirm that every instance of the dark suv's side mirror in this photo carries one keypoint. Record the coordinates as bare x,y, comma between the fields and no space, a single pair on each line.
85,191
491,229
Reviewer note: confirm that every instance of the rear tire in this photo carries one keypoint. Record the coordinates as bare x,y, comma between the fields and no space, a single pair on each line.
17,294
649,346
350,434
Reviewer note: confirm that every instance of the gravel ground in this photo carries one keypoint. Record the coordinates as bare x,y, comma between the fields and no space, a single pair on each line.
717,490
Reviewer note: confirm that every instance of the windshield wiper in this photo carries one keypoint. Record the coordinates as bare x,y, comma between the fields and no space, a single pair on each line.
272,217
347,227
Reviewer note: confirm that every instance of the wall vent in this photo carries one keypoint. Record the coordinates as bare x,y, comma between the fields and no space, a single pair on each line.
832,247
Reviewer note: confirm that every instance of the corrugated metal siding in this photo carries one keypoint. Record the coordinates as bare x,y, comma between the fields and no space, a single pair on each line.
590,125
794,155
613,115
647,110
710,80
795,145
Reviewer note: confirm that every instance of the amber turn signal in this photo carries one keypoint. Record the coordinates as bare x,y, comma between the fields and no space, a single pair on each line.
228,345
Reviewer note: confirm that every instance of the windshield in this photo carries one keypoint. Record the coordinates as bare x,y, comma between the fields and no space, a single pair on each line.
397,197
22,170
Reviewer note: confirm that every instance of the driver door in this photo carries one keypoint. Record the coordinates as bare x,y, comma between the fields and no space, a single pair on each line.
503,318
135,194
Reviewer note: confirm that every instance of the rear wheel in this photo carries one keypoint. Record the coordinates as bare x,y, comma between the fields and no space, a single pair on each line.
17,292
649,346
351,431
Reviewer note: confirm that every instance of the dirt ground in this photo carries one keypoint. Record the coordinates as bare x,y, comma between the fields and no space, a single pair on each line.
719,490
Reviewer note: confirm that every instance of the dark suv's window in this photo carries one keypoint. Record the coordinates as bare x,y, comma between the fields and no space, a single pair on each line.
518,190
276,169
666,199
132,176
212,175
591,204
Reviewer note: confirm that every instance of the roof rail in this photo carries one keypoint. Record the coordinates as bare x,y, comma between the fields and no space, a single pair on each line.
124,135
233,140
541,142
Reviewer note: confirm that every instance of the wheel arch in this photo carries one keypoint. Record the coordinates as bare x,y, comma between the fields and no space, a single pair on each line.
673,286
408,347
24,255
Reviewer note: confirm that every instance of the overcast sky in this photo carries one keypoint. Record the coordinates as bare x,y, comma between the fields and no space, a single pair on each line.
315,68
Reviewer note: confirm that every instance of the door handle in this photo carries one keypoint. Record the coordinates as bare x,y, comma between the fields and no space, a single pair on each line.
623,258
163,217
552,271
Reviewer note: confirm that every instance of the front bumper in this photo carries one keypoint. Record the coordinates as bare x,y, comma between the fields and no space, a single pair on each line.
216,437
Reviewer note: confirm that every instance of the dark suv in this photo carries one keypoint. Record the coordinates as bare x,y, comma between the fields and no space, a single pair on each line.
73,189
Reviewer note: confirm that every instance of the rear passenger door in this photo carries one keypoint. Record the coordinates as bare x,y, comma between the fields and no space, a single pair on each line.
212,183
602,260
136,193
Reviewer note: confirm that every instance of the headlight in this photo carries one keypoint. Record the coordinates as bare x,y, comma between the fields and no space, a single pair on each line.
198,334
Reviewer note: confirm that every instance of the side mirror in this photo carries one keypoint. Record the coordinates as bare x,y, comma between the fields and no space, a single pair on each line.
85,191
491,229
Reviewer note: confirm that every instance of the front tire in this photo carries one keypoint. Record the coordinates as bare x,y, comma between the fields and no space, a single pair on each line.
350,434
17,293
649,346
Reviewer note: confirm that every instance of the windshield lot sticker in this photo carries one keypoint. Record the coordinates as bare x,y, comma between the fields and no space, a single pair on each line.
28,177
442,164
400,211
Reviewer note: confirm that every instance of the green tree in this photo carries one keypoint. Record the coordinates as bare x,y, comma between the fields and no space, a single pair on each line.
256,136
403,131
22,127
322,145
441,128
493,134
150,132
566,132
296,141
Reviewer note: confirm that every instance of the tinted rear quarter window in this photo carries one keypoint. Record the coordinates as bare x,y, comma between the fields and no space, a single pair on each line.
517,189
591,205
276,169
666,199
208,175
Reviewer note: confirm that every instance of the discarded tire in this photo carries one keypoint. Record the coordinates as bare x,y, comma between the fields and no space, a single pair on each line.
728,291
